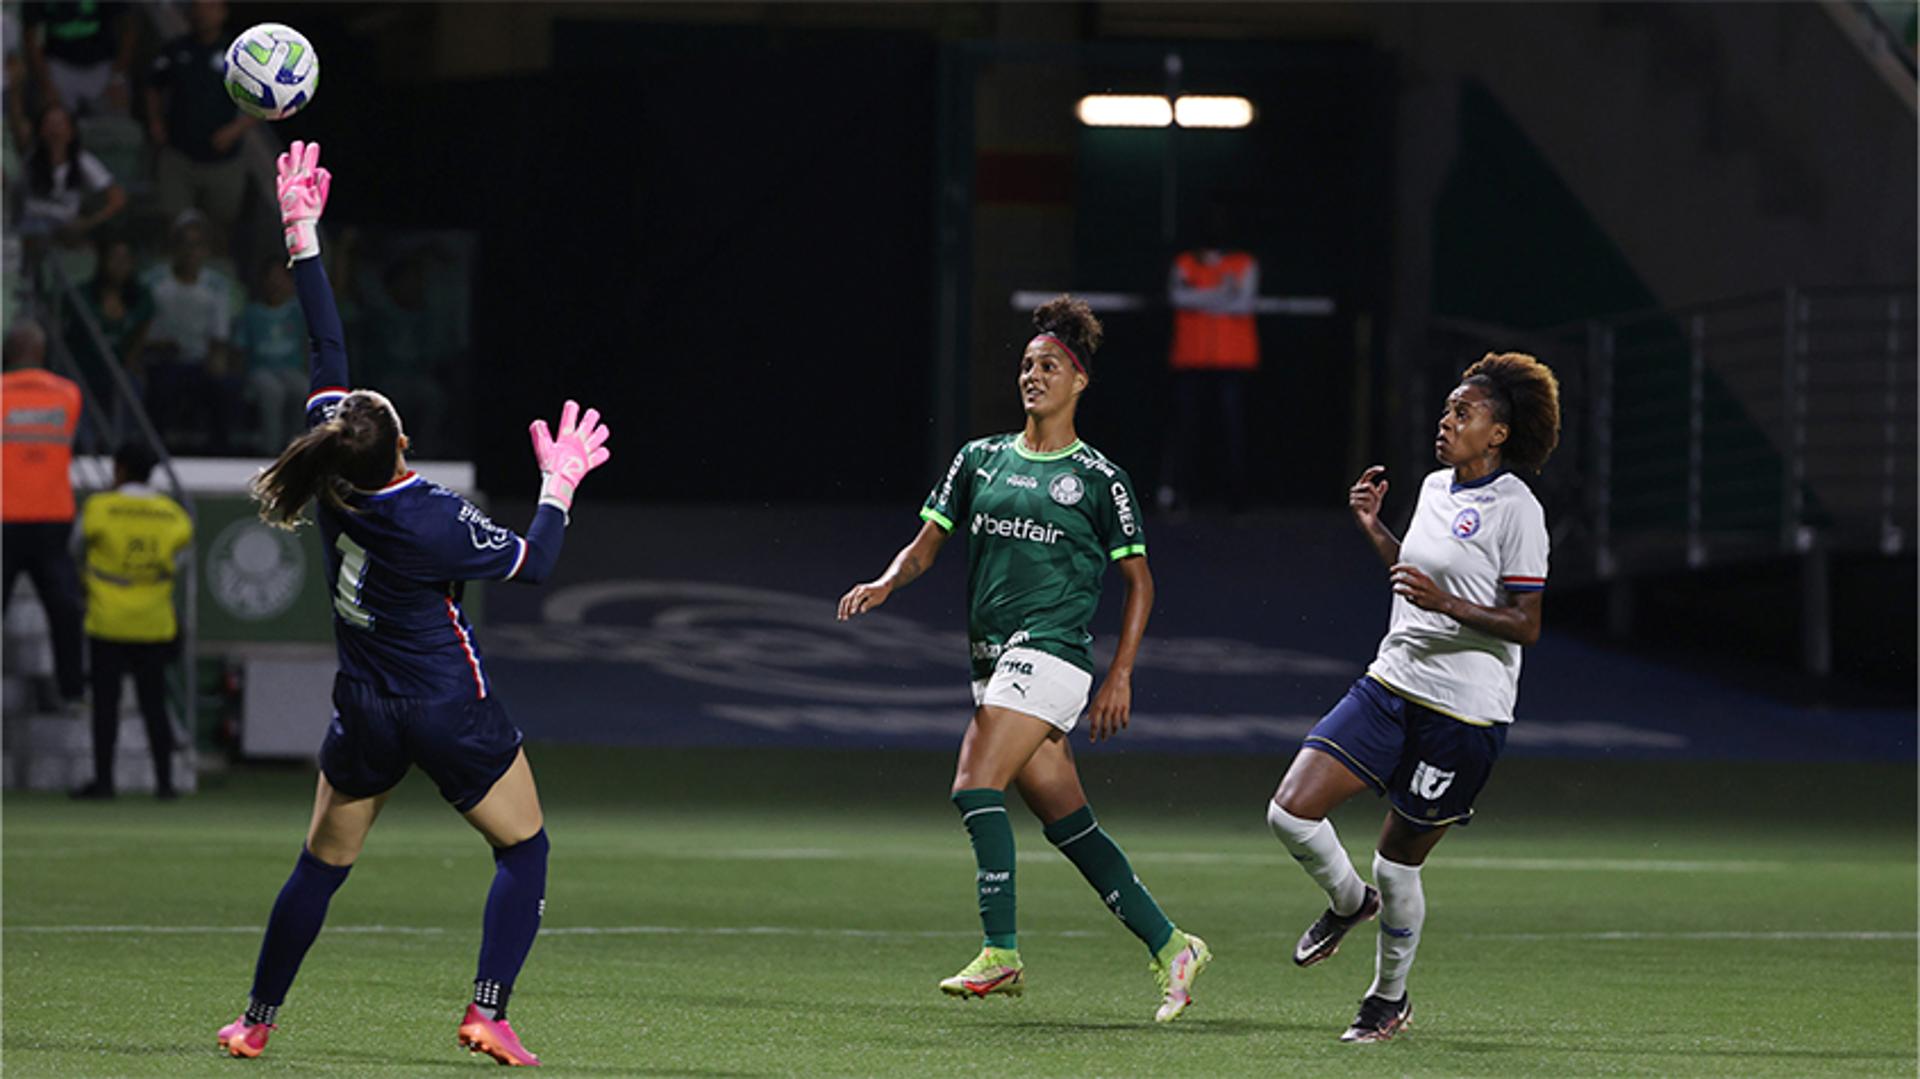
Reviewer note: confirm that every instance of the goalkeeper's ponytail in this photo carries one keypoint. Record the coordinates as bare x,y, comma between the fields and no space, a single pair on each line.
357,448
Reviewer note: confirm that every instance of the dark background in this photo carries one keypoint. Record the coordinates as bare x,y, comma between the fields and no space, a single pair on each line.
728,238
728,230
737,229
701,231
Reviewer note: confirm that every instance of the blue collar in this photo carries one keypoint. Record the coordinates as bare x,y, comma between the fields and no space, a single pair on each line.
1457,486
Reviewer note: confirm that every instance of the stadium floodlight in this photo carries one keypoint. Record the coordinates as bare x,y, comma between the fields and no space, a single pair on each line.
1124,110
1207,110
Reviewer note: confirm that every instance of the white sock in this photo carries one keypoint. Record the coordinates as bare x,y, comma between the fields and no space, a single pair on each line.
1403,909
1315,846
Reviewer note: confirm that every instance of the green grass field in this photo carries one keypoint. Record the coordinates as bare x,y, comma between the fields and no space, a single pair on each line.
786,913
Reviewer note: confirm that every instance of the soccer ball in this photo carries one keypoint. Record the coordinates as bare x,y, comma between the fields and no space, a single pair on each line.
272,71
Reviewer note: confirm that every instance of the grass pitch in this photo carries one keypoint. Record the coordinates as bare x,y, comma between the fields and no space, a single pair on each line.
715,913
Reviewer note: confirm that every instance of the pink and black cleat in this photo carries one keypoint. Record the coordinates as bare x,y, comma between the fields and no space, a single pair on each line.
244,1039
494,1037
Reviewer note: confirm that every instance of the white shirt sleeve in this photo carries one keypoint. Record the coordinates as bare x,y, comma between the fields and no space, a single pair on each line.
1523,545
93,175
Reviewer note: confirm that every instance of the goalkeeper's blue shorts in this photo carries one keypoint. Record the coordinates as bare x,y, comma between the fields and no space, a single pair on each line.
1430,766
464,744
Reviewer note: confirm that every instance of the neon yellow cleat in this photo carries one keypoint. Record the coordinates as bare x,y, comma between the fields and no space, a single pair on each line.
1180,963
994,970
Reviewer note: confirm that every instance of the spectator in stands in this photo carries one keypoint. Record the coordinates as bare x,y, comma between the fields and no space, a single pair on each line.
1215,351
13,149
119,305
62,180
189,380
40,411
270,338
19,127
195,124
347,262
405,341
133,537
79,53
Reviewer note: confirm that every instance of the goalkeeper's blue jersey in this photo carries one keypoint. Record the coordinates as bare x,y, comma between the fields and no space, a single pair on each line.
397,567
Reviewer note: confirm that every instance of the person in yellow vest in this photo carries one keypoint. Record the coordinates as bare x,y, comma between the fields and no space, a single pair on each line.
133,536
40,411
1216,350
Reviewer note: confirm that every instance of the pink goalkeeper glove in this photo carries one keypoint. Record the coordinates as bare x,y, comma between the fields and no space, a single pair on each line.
302,186
566,458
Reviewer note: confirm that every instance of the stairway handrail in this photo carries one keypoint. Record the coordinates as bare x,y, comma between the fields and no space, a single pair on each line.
1703,307
70,297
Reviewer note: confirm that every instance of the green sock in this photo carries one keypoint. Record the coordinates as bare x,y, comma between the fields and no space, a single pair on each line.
984,812
1101,861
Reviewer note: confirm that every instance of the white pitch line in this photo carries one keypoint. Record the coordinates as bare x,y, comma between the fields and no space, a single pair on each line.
553,931
937,934
1277,857
781,931
1704,935
1610,865
189,930
1189,857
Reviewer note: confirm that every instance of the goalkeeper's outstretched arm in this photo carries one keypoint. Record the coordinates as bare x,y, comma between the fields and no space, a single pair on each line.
302,186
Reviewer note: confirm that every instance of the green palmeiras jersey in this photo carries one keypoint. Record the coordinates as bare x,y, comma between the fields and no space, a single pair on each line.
1041,528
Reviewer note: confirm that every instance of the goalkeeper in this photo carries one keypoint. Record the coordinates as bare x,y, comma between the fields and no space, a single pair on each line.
412,687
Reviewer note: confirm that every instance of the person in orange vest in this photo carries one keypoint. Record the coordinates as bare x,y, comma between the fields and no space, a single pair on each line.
1216,349
40,411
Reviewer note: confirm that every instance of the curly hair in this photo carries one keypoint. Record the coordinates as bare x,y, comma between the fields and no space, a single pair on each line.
1072,321
1526,397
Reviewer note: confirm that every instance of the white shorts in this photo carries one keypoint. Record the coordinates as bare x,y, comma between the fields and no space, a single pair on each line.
1034,683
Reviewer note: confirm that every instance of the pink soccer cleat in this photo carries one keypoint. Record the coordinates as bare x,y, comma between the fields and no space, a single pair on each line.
494,1038
244,1039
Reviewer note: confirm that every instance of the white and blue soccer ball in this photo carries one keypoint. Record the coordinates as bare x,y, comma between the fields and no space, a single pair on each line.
272,71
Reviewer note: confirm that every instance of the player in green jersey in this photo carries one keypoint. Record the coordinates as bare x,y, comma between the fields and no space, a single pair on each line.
1045,514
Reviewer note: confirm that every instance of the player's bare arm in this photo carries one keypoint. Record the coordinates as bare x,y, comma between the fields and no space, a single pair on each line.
1516,620
1364,498
913,560
1113,705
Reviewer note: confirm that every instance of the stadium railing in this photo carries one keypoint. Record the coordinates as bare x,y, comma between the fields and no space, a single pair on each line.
1754,428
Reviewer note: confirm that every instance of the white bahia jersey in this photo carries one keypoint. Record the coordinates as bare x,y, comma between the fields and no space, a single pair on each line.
1477,540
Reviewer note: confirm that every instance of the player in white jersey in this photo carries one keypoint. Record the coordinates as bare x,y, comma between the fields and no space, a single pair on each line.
1426,722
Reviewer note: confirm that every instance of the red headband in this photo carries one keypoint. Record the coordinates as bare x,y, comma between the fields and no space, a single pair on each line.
1063,347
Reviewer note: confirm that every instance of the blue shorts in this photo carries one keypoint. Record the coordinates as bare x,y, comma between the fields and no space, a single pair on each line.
1430,765
464,745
